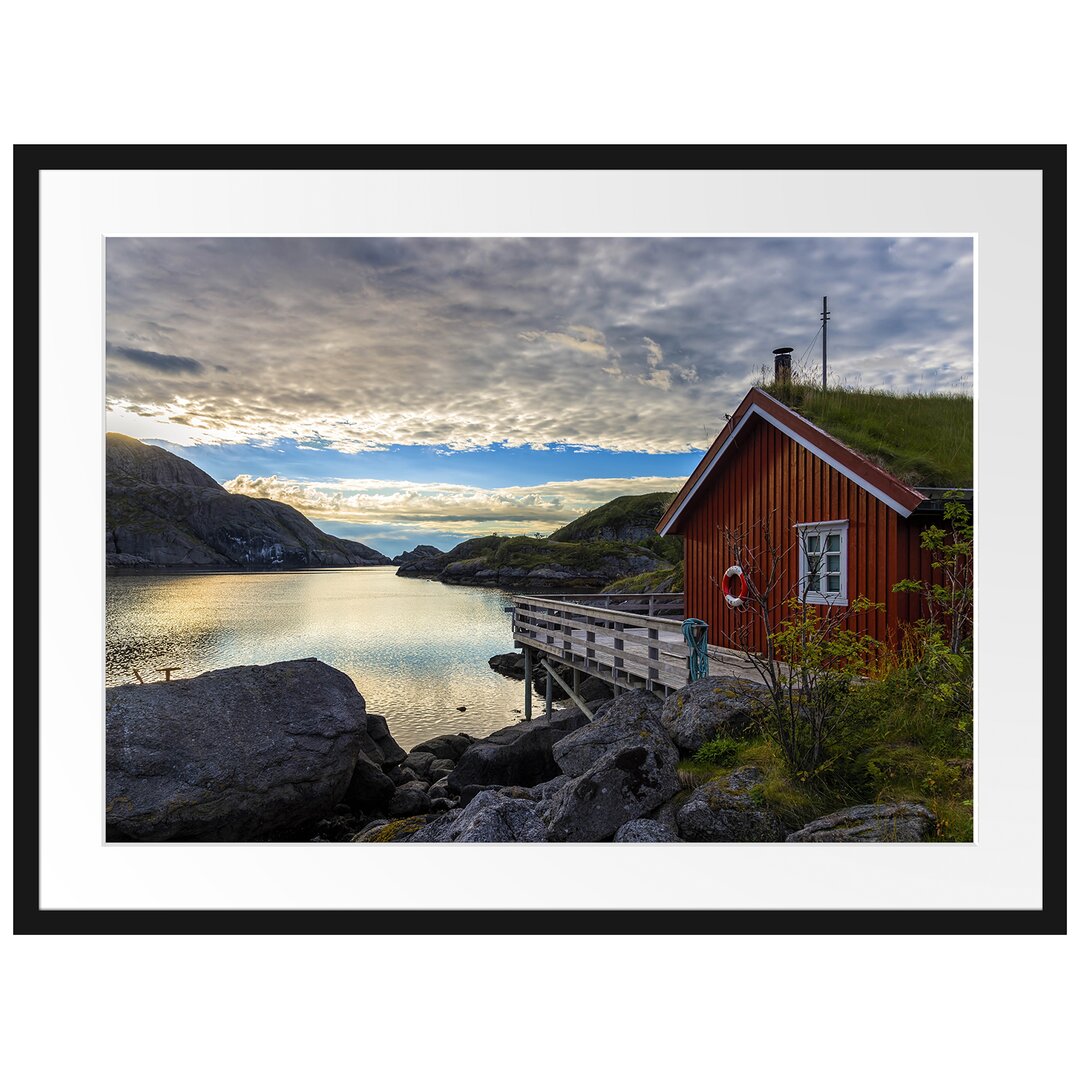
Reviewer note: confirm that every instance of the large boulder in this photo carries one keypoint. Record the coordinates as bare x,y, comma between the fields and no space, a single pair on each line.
710,707
725,810
409,800
519,754
632,719
445,746
595,689
491,817
904,822
370,788
646,831
419,762
392,754
234,754
623,785
511,665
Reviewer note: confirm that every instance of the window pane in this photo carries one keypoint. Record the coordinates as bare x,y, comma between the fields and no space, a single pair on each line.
815,583
832,542
813,542
832,564
832,583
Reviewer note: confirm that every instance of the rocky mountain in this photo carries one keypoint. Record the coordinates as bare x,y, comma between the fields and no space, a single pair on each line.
162,511
418,553
629,517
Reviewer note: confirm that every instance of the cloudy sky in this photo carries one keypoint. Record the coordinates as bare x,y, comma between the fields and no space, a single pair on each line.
402,391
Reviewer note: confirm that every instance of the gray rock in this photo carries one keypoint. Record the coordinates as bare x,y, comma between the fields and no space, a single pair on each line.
903,822
392,753
467,794
489,818
632,719
439,790
511,665
441,768
623,785
518,792
666,813
594,689
234,754
645,831
518,754
410,799
439,805
450,747
419,762
725,810
370,788
710,707
547,789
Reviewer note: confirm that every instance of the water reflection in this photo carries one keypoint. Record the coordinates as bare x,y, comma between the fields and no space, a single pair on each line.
415,649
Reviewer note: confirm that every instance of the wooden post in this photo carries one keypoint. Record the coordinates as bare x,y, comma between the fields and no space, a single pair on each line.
548,695
528,682
654,654
577,681
573,695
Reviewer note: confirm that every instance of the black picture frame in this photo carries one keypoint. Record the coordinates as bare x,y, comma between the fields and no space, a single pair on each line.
31,160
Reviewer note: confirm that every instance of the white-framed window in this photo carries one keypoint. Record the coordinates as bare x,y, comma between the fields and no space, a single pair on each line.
823,560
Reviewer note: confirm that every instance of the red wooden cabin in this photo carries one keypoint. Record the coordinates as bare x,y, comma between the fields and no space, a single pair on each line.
844,527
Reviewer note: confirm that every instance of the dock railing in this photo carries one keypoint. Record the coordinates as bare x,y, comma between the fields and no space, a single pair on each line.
627,639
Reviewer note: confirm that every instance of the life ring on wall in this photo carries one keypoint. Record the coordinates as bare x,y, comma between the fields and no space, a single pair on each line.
734,586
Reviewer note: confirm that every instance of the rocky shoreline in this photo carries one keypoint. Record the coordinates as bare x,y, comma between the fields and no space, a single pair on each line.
288,751
528,564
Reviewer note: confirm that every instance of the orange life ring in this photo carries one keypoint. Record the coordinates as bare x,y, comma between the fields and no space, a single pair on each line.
734,599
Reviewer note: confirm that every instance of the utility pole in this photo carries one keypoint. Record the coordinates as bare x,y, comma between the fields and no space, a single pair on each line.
824,340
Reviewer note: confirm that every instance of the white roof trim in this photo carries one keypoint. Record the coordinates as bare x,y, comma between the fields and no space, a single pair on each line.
755,409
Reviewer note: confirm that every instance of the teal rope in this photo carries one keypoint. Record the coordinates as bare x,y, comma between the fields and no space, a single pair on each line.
695,634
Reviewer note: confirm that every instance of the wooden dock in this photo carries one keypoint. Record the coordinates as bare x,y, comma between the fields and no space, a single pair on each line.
629,640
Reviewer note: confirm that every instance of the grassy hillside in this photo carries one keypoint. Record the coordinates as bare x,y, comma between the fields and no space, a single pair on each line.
627,511
926,440
631,518
655,581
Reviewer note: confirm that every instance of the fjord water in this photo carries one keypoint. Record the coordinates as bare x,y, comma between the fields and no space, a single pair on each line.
415,649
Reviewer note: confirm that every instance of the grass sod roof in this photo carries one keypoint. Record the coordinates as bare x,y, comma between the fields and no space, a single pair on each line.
924,440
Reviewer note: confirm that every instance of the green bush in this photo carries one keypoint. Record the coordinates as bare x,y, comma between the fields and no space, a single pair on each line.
719,751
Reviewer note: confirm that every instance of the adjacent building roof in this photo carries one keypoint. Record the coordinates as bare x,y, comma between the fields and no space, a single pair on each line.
757,403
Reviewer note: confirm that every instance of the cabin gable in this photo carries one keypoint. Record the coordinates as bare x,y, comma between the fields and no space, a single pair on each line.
765,483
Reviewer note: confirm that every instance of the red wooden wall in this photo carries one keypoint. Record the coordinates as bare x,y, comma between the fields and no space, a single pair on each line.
768,475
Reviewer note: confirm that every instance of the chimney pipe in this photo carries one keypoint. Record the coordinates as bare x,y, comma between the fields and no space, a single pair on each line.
782,365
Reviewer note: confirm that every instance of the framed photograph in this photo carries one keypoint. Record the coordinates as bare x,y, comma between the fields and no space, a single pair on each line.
498,531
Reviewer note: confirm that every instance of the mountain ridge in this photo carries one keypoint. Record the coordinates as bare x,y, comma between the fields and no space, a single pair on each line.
161,511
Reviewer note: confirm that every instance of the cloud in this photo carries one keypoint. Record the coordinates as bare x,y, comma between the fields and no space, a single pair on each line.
157,361
632,344
447,508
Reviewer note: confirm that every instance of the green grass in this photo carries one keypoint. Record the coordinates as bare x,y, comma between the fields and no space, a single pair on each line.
926,440
668,579
904,742
529,553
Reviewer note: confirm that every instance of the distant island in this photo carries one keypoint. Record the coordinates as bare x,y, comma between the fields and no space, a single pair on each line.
163,512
